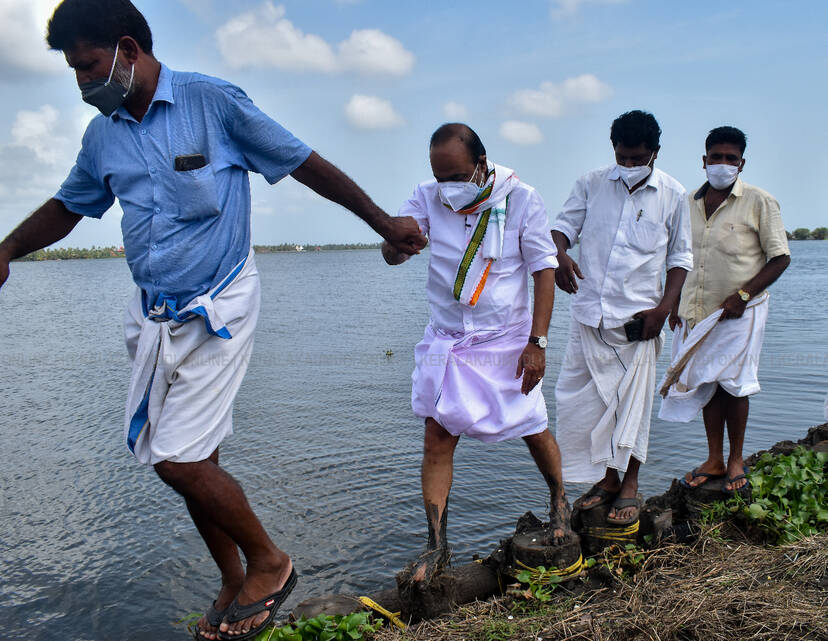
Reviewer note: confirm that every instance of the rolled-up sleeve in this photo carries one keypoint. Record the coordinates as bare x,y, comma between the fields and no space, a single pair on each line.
536,245
416,208
266,147
772,234
84,192
570,220
680,239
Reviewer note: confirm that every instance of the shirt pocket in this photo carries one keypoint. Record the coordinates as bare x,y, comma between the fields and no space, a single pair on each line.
645,235
197,194
737,238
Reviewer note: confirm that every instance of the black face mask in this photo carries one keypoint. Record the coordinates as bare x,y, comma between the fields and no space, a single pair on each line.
107,95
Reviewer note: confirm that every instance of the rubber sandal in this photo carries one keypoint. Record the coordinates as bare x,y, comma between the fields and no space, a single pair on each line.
696,474
620,504
604,496
214,617
731,481
236,612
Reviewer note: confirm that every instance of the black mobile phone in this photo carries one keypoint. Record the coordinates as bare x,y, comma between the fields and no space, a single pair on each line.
633,329
190,162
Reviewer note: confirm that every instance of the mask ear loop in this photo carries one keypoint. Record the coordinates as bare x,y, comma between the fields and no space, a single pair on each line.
114,62
131,76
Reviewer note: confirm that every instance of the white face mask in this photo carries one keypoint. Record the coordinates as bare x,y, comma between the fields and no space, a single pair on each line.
458,194
721,176
634,175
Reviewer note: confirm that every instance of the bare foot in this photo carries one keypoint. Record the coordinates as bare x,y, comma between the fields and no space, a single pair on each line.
704,472
257,585
228,592
560,516
426,566
604,484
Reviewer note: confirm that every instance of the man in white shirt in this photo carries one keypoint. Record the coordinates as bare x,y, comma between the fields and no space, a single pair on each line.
480,364
632,222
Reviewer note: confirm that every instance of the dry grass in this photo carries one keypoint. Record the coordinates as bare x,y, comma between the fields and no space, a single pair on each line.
711,591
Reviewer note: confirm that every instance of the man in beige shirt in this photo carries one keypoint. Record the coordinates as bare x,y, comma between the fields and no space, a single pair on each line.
739,249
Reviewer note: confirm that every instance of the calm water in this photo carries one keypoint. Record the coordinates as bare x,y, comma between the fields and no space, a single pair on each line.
94,546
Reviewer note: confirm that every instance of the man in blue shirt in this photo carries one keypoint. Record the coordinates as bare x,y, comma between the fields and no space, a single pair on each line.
175,149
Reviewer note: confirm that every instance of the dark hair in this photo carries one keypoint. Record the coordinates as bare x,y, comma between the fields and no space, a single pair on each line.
726,135
99,22
636,127
462,132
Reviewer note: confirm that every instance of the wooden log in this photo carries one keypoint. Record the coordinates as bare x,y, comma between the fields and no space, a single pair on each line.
535,548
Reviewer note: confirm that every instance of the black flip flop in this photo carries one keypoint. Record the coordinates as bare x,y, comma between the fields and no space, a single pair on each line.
731,481
604,496
214,617
696,474
236,612
620,504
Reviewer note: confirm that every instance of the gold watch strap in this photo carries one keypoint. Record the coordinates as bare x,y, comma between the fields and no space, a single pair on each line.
745,296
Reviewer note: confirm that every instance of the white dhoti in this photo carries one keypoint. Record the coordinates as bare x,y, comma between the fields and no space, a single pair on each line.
604,399
466,382
713,353
187,366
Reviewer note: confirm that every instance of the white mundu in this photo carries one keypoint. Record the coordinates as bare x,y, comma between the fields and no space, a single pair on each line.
187,369
604,393
464,375
713,353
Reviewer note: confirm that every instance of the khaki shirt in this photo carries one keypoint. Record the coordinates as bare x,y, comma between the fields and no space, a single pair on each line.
730,247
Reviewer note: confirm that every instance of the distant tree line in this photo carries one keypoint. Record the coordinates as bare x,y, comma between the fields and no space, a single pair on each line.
803,233
66,253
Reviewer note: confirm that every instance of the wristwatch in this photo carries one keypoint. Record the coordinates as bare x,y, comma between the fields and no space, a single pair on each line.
744,295
540,341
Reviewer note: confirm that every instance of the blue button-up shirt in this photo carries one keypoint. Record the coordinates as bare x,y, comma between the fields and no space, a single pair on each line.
183,230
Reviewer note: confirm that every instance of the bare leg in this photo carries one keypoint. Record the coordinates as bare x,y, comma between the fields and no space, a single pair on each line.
714,424
547,456
226,555
218,499
437,469
737,415
629,488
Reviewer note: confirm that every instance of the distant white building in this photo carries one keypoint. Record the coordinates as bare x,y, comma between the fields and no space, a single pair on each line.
300,248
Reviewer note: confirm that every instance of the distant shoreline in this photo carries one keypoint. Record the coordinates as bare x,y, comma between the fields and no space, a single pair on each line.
77,253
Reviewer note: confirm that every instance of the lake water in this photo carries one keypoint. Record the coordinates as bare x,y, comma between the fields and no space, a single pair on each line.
94,546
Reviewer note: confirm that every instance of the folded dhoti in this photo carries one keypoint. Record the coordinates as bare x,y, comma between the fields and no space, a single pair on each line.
187,366
604,398
467,383
713,353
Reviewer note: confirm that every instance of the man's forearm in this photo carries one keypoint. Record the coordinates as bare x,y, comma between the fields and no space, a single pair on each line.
561,241
331,183
544,301
672,288
48,224
767,275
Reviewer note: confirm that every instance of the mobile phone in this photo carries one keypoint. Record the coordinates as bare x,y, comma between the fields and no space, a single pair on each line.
633,329
190,162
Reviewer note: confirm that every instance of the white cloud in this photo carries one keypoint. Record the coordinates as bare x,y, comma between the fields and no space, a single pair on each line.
37,132
371,112
455,110
521,133
264,37
553,99
372,51
23,46
568,8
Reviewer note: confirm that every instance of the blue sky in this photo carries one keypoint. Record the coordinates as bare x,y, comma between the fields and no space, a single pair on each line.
366,82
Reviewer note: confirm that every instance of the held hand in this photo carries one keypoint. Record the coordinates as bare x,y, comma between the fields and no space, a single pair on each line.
733,307
565,274
405,236
675,321
653,322
532,364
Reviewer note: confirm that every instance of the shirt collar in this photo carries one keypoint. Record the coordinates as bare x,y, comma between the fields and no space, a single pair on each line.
736,192
163,93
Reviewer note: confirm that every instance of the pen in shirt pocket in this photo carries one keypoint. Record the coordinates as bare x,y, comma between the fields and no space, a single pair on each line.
640,214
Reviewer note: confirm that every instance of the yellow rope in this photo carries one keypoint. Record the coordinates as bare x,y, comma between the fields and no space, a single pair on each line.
573,570
393,617
612,533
